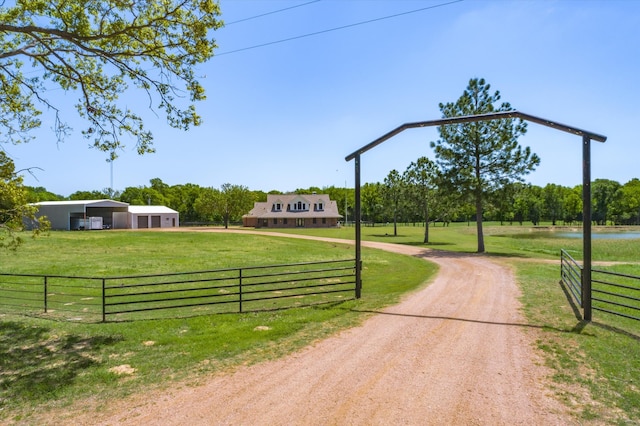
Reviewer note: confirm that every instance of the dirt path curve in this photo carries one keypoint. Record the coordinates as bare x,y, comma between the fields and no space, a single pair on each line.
457,352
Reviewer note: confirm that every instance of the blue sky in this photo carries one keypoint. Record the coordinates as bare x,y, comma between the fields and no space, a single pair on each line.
285,115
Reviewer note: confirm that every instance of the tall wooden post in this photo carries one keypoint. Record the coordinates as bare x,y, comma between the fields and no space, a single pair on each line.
586,227
358,230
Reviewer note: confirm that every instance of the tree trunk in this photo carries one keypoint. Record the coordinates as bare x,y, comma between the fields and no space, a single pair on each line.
395,221
479,223
426,225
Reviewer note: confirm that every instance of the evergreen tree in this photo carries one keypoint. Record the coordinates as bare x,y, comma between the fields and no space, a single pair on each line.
479,157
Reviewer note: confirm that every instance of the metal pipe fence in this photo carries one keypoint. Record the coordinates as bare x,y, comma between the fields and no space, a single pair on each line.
571,275
231,290
616,293
611,292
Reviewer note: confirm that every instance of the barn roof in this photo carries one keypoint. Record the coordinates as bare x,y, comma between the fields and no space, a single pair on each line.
85,203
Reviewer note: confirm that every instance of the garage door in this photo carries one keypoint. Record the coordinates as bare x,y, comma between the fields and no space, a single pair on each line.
155,221
143,222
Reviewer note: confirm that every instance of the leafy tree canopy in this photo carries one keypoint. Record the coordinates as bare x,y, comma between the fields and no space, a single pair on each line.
230,202
98,49
13,206
421,178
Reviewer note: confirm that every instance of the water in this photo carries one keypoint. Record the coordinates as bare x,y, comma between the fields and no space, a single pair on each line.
601,235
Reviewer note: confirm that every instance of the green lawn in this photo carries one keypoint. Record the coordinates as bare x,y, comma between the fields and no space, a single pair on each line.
500,240
48,363
51,364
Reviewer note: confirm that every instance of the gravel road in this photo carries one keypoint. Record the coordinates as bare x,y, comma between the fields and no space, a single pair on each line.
456,352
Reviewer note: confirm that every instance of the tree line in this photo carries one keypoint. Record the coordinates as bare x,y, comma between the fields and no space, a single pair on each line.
196,204
400,198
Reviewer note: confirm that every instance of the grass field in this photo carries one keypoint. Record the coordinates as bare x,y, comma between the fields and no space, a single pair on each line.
46,363
52,364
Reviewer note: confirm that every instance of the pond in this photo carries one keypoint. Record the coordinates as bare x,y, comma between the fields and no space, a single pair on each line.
600,235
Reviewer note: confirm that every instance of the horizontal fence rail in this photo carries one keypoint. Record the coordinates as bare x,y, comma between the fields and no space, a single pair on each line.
612,292
571,276
616,293
74,298
231,290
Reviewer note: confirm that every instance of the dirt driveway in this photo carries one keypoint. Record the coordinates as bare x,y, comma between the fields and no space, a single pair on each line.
457,352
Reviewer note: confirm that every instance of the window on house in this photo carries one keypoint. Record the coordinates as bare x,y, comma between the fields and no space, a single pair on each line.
275,221
320,206
324,220
315,220
284,221
278,207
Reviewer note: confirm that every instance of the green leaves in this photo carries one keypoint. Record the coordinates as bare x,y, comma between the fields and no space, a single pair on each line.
14,210
97,50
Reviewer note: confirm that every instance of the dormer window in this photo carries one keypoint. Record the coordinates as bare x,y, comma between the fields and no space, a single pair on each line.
299,206
277,207
320,206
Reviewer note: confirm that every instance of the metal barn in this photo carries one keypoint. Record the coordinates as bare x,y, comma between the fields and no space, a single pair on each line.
105,214
80,214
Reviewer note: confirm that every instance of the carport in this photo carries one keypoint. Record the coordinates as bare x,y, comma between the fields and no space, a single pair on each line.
80,214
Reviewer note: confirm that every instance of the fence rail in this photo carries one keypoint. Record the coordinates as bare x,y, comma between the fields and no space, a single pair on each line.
612,292
616,293
571,275
179,294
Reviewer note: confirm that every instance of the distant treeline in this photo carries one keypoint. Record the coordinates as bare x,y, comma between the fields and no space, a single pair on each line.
612,202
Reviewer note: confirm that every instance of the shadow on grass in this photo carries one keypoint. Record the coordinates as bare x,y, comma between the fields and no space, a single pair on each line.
616,330
35,363
433,245
426,245
583,323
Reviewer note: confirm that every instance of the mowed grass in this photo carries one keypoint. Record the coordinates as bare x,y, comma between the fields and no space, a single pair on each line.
48,364
500,240
596,366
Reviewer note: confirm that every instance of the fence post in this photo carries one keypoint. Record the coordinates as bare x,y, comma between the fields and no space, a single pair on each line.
586,227
240,289
45,294
358,225
104,300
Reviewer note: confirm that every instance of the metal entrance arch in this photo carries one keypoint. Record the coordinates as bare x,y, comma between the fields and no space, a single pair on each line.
587,137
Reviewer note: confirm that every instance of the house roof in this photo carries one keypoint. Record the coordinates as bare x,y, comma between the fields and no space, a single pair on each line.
266,209
85,203
150,209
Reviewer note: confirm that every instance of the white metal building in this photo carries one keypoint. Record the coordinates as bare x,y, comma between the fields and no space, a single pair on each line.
105,214
140,217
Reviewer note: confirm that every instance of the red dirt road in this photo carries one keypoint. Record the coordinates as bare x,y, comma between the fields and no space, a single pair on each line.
456,352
